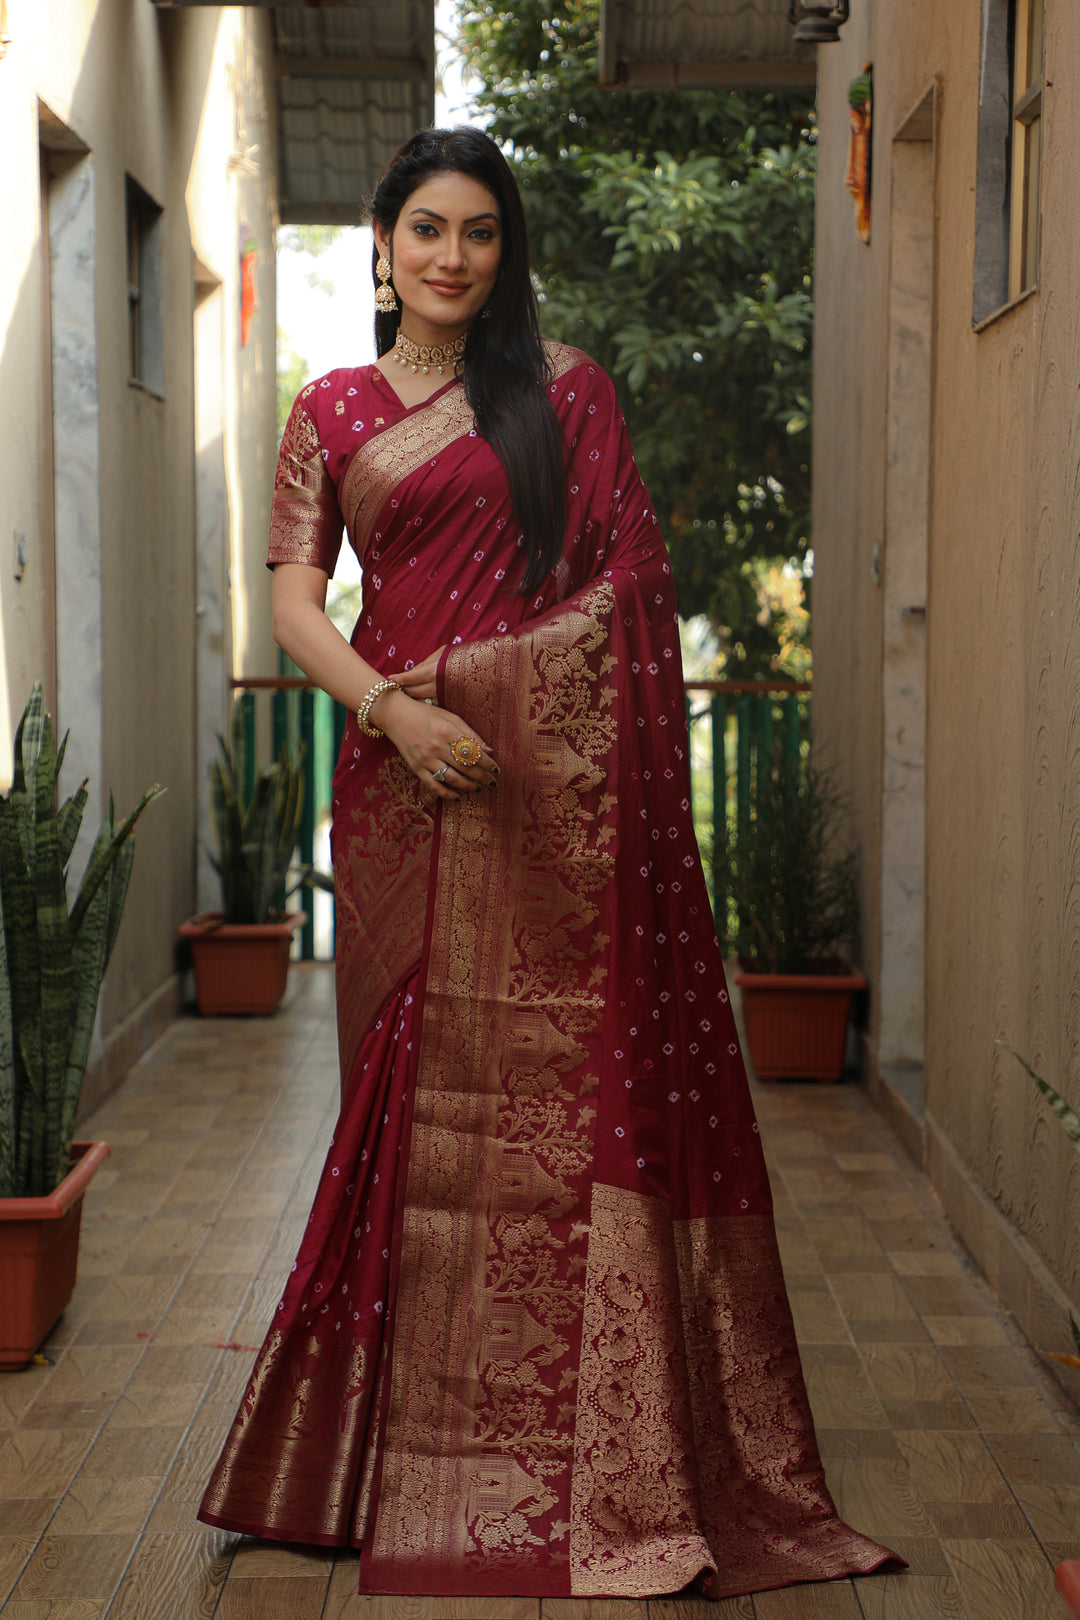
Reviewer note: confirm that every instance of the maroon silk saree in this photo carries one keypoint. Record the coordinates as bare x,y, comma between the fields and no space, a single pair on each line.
536,1339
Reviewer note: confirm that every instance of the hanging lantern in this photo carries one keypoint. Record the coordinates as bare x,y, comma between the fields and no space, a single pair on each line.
818,22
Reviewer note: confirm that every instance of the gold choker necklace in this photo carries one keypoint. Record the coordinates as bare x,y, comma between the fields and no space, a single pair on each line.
422,356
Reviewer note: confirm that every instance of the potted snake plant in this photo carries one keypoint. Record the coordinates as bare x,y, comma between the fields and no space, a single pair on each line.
52,962
241,953
793,886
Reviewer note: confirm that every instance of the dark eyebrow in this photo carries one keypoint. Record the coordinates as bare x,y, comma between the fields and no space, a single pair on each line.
471,221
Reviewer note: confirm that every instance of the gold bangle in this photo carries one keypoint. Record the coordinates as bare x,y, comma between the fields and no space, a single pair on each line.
366,703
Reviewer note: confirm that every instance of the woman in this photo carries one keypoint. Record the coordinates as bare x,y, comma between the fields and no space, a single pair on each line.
536,1340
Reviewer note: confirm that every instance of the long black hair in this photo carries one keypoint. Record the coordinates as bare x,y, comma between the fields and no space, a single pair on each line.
505,368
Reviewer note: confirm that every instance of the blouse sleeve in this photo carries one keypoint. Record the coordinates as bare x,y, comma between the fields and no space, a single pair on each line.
305,519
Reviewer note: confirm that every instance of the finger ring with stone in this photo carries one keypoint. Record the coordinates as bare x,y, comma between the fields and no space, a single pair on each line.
440,775
466,751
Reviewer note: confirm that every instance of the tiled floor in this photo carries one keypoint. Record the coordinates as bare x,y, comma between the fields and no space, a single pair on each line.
941,1432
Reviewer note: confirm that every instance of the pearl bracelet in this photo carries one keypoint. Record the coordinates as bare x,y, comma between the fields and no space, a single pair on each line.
365,707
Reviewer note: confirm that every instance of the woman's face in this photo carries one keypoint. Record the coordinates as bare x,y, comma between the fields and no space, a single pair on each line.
445,250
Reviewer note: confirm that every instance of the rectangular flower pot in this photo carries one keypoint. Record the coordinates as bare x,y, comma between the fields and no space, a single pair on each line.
240,967
796,1023
1067,1586
39,1255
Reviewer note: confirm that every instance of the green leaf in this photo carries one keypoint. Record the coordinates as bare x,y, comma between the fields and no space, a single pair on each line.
1070,1123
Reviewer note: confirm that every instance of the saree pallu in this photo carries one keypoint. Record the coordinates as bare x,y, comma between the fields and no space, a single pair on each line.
537,1339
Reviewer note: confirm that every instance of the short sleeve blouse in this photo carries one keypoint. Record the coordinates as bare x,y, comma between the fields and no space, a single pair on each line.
305,518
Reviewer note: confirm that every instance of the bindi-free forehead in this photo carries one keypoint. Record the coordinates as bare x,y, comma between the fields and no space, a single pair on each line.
454,198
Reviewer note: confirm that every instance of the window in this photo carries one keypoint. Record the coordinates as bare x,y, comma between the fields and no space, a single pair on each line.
1007,192
145,323
1027,86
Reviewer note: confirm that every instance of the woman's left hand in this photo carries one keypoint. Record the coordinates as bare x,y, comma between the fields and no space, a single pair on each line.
419,681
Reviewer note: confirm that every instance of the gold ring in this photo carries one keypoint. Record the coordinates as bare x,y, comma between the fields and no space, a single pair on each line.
466,751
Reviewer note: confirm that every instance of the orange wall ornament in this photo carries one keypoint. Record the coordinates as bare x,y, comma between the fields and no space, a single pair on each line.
860,165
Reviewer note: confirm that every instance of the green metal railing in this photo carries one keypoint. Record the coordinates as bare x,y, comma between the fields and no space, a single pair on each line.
741,734
739,731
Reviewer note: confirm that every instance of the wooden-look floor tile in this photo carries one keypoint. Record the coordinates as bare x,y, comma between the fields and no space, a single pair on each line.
14,1552
912,1597
70,1414
343,1603
905,1372
841,1398
27,1516
980,1521
40,1462
872,1294
484,1608
878,1496
817,1315
978,1371
261,1560
952,1414
55,1609
1037,1459
181,1577
1053,1511
833,1601
63,1566
97,1504
857,1443
131,1452
597,1609
1023,1410
924,1555
974,1330
689,1608
162,1405
953,1467
1004,1581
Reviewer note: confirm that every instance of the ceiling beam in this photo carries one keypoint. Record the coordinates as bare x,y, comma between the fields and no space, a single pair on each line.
351,67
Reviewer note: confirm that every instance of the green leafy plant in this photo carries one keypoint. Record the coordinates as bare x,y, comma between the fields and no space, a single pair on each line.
256,838
52,961
792,879
1070,1124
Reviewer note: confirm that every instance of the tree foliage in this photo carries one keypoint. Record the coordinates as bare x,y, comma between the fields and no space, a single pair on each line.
672,238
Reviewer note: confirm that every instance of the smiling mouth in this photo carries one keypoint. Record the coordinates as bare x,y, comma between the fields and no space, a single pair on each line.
449,286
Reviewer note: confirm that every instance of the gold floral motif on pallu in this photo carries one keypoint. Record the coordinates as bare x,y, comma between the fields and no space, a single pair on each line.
382,859
767,1512
635,1519
479,1430
305,520
391,456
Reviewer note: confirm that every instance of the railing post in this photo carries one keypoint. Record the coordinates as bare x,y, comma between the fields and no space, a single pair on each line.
247,710
718,716
744,717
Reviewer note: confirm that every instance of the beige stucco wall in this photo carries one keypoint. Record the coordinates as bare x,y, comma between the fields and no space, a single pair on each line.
1002,651
177,100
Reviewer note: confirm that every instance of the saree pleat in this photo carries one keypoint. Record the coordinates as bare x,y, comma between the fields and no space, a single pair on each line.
537,1340
297,1463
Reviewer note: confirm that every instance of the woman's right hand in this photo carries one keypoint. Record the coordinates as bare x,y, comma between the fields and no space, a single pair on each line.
422,733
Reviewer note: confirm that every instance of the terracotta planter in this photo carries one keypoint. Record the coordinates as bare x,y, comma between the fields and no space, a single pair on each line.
1067,1586
796,1023
240,967
39,1255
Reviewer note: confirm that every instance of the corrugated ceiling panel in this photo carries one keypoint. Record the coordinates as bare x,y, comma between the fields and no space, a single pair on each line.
661,43
336,136
354,81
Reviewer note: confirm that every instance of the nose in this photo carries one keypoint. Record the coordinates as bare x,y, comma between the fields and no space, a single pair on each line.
453,251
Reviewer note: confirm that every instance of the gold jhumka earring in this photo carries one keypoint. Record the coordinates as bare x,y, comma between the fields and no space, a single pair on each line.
385,302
